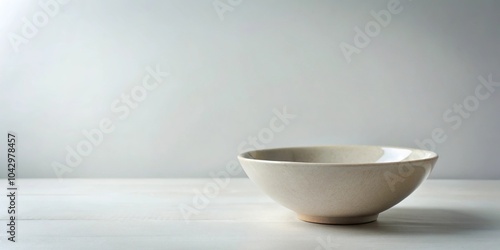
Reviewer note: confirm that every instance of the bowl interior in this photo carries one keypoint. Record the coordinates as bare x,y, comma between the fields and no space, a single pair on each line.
340,154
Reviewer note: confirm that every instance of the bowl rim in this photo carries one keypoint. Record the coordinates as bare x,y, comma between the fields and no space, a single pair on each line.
433,156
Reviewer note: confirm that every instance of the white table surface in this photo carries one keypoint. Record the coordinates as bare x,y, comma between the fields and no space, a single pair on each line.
144,214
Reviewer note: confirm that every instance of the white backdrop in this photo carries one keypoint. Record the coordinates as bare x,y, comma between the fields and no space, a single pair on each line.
178,88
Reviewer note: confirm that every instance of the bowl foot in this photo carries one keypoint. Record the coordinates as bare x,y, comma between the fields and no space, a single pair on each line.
338,220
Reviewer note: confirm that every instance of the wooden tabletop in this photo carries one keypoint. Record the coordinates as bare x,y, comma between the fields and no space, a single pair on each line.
122,214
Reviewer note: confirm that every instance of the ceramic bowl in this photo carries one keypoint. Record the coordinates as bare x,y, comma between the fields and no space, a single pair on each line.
338,184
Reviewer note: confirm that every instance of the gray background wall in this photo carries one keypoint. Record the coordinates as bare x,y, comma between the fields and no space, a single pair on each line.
228,72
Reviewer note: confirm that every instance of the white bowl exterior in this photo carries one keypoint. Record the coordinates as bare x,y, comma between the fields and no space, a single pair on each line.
336,190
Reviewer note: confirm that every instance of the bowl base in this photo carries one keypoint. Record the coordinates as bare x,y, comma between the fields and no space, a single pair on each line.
338,220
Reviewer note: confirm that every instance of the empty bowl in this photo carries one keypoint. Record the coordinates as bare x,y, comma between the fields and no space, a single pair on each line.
338,184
